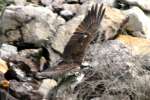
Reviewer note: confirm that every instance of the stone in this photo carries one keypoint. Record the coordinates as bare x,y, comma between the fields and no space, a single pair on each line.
111,23
110,60
65,32
35,1
7,50
20,2
66,11
46,86
66,14
27,90
46,2
144,4
74,8
107,2
138,23
72,1
4,95
3,66
17,2
137,45
26,22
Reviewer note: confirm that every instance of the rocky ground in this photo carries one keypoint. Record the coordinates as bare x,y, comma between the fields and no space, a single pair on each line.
34,34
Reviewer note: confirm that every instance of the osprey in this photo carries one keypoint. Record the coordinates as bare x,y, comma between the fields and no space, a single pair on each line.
75,49
84,34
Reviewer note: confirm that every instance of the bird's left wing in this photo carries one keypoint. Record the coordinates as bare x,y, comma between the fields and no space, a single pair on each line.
84,34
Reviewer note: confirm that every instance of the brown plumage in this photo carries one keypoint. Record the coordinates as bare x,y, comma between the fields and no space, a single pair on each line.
84,34
78,43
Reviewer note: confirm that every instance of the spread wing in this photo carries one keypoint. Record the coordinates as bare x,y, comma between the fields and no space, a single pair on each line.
84,34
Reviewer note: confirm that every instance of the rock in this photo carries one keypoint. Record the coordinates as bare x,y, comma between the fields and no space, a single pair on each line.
65,32
46,2
2,76
113,66
4,84
72,1
26,22
139,83
67,11
33,60
66,14
16,73
144,4
122,5
27,90
111,23
7,50
82,1
20,2
17,2
58,2
107,2
137,45
3,66
46,86
5,95
138,23
35,1
74,8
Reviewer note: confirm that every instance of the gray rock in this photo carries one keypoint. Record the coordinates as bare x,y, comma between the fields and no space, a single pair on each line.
26,22
5,96
106,2
7,50
17,2
139,23
65,32
70,1
46,2
27,90
74,8
46,86
66,14
144,4
35,1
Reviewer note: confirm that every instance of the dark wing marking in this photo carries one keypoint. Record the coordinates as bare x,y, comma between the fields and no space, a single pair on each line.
84,34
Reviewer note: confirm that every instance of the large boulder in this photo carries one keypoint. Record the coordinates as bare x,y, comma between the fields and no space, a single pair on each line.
139,23
28,24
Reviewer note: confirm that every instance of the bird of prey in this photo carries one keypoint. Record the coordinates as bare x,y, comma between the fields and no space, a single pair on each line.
84,34
75,49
